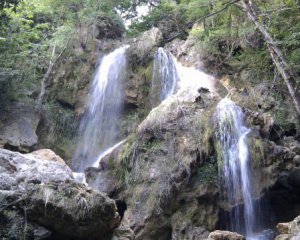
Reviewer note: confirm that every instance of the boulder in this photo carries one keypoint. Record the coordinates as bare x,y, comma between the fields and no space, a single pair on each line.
43,194
290,230
225,235
283,228
18,127
46,154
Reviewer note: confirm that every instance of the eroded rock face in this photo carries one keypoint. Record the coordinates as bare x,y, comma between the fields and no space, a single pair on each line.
43,194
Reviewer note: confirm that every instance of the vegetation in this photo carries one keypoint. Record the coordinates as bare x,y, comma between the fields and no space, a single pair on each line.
34,34
231,41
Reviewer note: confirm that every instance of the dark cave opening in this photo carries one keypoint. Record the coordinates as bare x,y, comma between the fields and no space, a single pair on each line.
122,207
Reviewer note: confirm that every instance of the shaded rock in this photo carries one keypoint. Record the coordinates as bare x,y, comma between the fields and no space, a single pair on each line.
296,160
18,128
13,225
225,235
294,178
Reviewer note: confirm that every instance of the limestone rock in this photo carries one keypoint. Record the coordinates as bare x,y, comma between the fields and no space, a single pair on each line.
283,237
141,47
283,228
289,231
17,170
51,199
46,154
225,235
158,168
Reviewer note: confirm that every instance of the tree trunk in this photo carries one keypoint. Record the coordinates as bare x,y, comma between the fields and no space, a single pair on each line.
287,73
47,75
43,86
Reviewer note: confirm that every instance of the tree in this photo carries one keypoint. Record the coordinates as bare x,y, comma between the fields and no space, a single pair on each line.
288,74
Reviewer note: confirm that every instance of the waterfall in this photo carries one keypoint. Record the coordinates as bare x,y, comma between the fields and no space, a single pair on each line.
165,76
235,171
99,126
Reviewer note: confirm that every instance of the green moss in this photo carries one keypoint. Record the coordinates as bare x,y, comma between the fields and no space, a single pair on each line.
204,129
208,172
152,145
146,73
123,165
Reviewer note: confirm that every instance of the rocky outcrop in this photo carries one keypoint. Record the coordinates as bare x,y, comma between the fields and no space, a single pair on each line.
290,230
46,154
140,56
225,235
164,172
39,198
141,47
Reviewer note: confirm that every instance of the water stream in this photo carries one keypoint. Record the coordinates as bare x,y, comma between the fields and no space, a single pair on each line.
235,173
170,77
99,126
165,77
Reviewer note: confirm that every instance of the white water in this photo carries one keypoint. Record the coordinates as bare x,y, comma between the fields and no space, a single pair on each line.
235,170
192,79
165,76
79,177
99,126
171,78
107,152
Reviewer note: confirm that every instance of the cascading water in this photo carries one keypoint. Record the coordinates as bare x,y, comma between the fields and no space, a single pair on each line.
99,126
165,76
234,165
